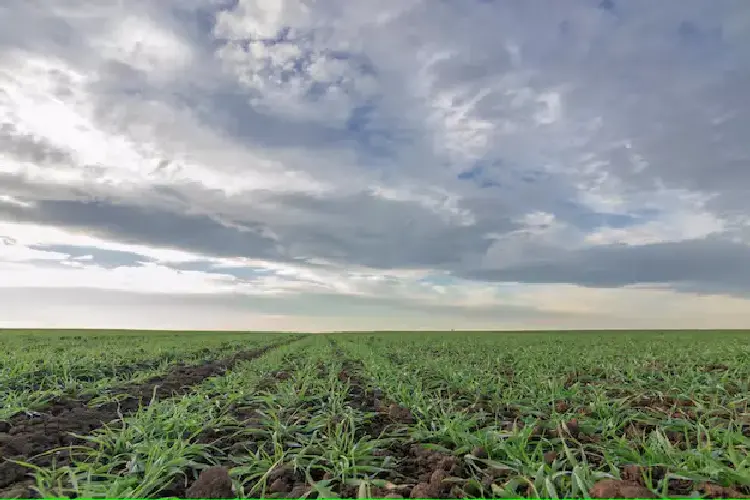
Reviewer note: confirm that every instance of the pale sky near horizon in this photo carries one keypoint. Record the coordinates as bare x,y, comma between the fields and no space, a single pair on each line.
399,164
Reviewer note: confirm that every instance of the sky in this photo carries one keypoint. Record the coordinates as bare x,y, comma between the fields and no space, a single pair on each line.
352,165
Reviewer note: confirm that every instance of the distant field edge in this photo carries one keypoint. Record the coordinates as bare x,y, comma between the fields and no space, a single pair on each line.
84,331
561,330
132,331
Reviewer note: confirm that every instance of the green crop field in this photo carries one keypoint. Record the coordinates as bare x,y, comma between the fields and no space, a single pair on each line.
420,415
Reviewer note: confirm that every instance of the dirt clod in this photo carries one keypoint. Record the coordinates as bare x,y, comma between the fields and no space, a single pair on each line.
438,476
400,414
573,428
213,482
299,491
550,457
280,485
617,488
717,491
424,490
479,452
632,473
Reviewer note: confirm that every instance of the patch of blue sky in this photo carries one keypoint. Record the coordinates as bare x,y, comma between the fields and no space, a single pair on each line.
480,174
615,220
473,173
373,138
243,273
99,257
488,174
439,280
584,218
246,273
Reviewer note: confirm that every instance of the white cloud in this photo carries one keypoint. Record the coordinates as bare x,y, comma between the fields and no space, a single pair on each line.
482,162
25,235
148,279
671,227
284,57
137,42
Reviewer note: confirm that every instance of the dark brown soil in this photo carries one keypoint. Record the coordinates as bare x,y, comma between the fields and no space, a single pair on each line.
371,400
25,436
617,488
635,474
419,472
285,482
213,482
422,472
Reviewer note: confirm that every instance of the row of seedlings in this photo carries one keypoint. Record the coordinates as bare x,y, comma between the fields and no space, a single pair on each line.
32,377
150,450
547,436
304,435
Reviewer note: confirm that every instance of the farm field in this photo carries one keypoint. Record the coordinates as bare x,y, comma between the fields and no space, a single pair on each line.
412,415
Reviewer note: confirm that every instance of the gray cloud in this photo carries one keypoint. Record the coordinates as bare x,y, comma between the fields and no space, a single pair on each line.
392,135
133,224
371,231
710,262
360,229
30,148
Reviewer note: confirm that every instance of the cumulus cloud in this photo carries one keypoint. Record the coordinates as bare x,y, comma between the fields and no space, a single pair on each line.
336,161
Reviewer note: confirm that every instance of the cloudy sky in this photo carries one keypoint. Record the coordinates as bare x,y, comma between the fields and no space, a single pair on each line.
398,164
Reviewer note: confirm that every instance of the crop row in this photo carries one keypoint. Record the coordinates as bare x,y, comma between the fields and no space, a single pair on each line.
36,368
436,416
544,415
282,422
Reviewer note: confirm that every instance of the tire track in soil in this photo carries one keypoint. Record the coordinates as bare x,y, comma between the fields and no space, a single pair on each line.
23,437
